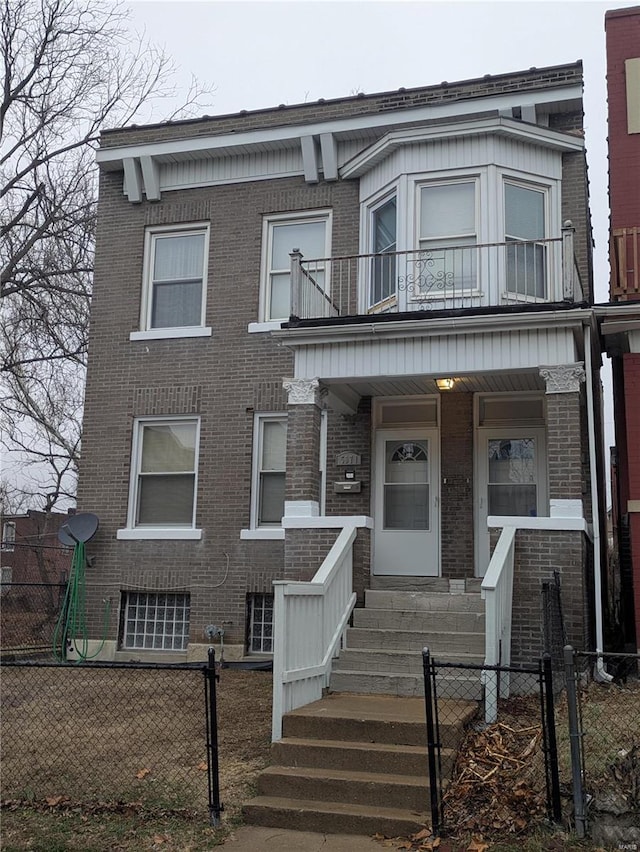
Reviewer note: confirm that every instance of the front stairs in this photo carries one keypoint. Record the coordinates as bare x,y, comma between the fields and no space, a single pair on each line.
355,762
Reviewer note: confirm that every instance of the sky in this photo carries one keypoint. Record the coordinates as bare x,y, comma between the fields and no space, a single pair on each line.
261,54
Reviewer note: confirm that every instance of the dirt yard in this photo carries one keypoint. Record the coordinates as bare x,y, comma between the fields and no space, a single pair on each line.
101,750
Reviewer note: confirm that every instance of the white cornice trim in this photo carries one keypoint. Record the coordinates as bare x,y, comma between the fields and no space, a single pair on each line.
498,125
209,145
434,327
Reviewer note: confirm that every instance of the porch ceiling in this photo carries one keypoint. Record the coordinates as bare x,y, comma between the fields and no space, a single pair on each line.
412,385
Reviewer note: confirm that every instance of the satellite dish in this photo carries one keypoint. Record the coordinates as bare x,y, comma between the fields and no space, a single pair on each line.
77,528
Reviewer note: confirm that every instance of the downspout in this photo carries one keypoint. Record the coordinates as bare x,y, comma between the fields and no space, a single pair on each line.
600,674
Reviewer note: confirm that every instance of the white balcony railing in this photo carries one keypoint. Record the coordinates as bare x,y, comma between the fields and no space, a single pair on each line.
433,278
309,621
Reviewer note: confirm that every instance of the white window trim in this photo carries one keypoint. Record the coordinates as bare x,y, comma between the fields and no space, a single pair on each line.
146,304
372,207
552,221
276,533
300,217
167,531
258,420
8,536
171,333
475,177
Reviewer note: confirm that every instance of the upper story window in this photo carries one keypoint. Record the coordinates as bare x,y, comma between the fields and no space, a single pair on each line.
311,234
524,223
447,237
383,279
174,287
163,474
8,535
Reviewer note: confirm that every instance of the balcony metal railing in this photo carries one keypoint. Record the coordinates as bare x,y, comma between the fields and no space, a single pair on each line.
433,277
624,255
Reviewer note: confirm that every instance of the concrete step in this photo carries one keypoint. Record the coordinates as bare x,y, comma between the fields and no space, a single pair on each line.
376,718
419,622
381,790
366,659
406,583
419,601
333,817
414,641
360,756
459,686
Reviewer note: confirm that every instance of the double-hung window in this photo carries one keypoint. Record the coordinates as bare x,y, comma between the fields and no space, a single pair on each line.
447,261
383,280
270,461
524,216
164,466
282,234
175,278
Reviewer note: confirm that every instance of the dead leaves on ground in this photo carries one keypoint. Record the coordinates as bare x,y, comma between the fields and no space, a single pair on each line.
424,841
498,782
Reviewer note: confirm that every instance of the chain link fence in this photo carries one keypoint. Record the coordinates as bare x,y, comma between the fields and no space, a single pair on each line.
28,616
599,744
127,734
491,737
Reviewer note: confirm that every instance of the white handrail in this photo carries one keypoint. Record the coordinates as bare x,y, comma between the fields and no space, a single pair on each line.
497,592
309,621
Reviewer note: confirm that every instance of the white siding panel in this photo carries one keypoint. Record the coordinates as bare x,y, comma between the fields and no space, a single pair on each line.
465,152
225,169
464,354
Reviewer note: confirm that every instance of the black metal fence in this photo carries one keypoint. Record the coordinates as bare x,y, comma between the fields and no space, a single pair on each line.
599,735
126,733
508,751
28,616
492,758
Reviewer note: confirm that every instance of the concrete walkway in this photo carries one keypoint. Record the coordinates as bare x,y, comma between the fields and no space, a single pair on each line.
254,838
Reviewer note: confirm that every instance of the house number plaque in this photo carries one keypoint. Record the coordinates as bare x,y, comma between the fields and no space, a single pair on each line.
348,459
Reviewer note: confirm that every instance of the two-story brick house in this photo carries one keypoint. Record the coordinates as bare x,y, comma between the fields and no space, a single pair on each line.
369,313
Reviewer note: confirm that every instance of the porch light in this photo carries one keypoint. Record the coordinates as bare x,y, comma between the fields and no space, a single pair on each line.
445,384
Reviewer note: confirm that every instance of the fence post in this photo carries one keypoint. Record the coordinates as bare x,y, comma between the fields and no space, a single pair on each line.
574,740
434,781
556,806
215,806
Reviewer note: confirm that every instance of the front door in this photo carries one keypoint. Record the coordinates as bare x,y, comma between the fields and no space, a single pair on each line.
406,532
511,480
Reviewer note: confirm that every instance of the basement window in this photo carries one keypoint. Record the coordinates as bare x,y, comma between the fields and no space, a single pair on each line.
155,622
260,624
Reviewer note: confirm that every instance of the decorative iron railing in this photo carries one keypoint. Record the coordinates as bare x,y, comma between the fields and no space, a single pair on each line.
436,277
624,256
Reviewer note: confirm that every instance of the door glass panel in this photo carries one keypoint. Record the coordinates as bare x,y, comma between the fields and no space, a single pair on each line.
406,485
513,487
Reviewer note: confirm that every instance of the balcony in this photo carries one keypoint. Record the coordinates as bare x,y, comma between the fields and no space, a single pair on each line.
454,276
624,256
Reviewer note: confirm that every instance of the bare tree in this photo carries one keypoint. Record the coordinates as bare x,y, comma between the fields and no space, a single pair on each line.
69,68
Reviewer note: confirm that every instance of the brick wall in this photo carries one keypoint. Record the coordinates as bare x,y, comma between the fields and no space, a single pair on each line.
538,554
490,85
564,450
224,379
456,440
303,453
623,42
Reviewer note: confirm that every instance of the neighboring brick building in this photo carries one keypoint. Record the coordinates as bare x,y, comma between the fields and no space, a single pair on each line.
621,321
423,369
